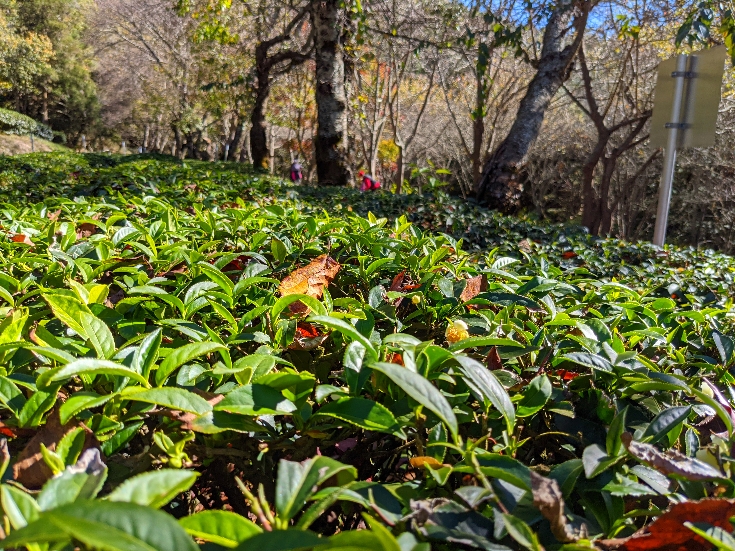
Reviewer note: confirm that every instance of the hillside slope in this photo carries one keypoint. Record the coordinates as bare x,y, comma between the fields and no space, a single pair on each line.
11,144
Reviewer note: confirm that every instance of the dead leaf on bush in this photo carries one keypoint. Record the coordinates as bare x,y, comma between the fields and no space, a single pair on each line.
21,238
475,286
307,337
53,216
548,499
310,280
671,461
85,230
493,360
30,469
668,532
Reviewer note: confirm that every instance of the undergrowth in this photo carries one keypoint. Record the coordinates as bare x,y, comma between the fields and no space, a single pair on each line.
196,356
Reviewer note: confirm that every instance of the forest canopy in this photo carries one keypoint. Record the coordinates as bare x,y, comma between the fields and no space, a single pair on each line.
535,107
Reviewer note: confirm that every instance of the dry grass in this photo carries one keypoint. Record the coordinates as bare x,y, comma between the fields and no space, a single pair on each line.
11,144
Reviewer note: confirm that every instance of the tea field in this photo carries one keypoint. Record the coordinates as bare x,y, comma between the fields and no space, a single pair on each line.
193,356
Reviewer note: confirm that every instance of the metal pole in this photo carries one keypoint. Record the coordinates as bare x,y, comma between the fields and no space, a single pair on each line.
227,151
667,176
33,145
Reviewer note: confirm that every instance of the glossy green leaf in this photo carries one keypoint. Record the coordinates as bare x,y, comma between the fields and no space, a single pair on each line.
154,489
421,390
172,398
182,355
255,399
106,525
87,366
220,527
363,413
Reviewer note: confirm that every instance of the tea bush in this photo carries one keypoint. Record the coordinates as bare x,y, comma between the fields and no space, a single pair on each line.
196,356
12,122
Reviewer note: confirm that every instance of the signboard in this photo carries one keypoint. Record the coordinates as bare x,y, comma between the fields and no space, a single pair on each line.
701,101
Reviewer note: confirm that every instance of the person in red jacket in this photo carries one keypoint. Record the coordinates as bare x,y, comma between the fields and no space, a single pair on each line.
368,182
297,175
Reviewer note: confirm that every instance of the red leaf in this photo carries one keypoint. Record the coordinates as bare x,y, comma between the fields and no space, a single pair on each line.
86,229
568,254
20,238
306,330
395,358
565,375
475,286
493,359
668,533
397,284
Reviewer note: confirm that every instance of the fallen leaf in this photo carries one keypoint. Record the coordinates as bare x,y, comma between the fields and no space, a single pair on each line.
565,375
30,469
548,499
236,264
306,330
21,238
307,337
475,286
668,532
670,461
309,280
525,245
568,254
397,283
53,216
85,230
493,360
402,283
395,358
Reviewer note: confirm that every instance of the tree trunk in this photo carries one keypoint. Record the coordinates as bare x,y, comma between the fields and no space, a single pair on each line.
400,168
258,130
589,198
272,150
478,139
499,186
478,128
329,18
237,141
44,106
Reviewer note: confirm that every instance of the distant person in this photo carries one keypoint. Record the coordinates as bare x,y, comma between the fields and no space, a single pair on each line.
297,175
368,182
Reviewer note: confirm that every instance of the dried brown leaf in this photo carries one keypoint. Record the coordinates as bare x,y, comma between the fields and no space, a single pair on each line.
668,533
493,360
30,469
309,280
670,461
85,230
21,238
548,499
475,286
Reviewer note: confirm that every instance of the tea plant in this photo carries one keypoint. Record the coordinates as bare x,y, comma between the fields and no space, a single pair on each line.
196,356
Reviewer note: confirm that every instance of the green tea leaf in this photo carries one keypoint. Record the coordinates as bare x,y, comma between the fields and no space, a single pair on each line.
422,391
